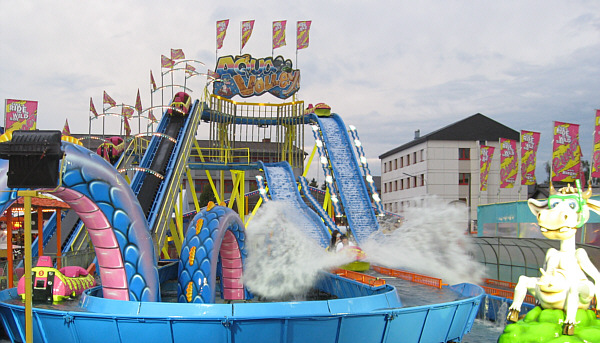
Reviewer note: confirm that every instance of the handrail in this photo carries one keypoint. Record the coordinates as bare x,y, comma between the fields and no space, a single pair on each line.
413,277
360,277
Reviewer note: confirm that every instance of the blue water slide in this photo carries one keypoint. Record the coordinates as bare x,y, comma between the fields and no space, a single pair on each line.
348,177
283,187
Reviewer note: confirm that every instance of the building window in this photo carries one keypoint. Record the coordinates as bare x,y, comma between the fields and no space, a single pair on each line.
401,161
395,164
415,157
422,179
408,160
422,155
464,178
401,184
464,153
395,185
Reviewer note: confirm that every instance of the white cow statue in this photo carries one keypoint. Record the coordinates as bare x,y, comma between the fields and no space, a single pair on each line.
563,284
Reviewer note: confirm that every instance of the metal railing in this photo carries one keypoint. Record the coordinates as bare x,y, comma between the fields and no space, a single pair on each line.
413,277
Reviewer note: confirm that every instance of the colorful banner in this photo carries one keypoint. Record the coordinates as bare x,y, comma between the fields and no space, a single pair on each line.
177,54
508,163
247,27
566,152
166,62
302,30
485,160
247,76
20,115
93,108
529,145
221,31
152,117
66,131
596,155
152,82
279,33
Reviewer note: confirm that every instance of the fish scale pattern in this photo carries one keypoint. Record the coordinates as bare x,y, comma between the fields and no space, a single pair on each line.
200,253
115,222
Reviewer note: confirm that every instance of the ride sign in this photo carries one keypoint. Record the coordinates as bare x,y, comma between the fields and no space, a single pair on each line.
246,76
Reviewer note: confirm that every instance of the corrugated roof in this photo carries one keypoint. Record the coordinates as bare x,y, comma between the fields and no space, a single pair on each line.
474,128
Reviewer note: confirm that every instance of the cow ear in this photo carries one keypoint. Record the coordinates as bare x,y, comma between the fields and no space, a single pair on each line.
537,205
594,205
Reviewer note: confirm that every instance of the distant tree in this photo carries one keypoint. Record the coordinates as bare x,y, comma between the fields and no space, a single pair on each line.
313,183
206,195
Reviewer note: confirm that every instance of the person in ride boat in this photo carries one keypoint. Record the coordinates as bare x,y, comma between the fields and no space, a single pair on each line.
345,242
335,239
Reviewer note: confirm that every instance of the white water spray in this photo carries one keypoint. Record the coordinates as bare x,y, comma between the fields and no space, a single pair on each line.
431,241
283,262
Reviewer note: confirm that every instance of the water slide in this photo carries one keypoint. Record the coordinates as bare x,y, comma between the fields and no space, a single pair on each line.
347,176
282,187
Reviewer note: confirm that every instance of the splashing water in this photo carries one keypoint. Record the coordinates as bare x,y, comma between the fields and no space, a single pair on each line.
282,261
431,241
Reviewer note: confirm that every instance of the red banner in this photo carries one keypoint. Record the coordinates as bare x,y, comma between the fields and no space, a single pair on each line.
529,145
247,27
221,32
508,162
302,30
566,152
138,102
279,33
20,115
596,155
485,160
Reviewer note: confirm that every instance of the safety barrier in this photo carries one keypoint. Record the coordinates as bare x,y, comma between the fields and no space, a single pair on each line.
413,277
504,293
360,277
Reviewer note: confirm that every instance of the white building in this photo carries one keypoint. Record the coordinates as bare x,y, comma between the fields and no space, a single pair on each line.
445,163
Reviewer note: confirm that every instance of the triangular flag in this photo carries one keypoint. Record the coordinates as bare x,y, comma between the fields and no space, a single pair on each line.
152,117
177,54
66,131
127,112
127,126
108,100
190,70
138,103
166,62
152,81
93,108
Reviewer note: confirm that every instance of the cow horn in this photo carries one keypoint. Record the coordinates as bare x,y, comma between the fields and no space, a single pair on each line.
551,189
588,193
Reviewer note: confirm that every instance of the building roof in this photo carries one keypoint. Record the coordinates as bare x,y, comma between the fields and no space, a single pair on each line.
474,128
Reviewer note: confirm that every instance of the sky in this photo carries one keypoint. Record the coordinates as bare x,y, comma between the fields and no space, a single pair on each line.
387,67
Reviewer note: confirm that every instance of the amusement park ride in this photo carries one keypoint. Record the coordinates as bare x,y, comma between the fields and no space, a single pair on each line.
130,210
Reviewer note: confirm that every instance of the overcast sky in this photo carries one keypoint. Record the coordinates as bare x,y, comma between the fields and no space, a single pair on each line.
387,67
